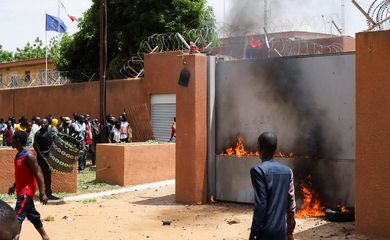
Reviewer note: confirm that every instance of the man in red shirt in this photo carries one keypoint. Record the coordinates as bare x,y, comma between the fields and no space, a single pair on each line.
27,174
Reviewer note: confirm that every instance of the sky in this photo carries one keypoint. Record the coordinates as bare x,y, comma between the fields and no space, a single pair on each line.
21,21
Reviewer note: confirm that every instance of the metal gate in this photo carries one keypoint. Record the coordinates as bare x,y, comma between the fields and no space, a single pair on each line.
163,108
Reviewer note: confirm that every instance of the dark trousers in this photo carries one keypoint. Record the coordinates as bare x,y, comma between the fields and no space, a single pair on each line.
46,172
83,158
92,152
25,208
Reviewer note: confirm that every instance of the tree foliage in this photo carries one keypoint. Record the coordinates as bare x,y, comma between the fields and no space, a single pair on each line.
5,56
128,23
30,51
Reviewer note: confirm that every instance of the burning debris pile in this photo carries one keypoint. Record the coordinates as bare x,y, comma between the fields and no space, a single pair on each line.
311,206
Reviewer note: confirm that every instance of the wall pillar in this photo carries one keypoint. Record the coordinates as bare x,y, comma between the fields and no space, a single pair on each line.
373,133
191,135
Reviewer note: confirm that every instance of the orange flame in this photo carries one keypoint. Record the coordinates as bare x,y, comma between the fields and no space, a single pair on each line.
240,151
311,206
343,208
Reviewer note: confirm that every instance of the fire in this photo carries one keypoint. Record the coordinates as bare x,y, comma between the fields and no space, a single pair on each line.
311,206
343,208
239,150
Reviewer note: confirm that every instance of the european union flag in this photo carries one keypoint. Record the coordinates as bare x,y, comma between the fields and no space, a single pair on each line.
55,24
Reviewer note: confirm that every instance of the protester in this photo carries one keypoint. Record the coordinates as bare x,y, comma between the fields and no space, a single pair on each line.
95,139
30,139
110,120
80,128
27,175
22,125
124,128
9,226
173,130
273,187
65,126
54,125
115,135
88,137
8,134
42,142
36,125
3,126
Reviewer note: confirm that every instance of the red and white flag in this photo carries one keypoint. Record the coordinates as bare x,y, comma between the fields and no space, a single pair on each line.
72,18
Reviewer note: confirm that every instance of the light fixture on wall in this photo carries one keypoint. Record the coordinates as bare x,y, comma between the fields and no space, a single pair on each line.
184,77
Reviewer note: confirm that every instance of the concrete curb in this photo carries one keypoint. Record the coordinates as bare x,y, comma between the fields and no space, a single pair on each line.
112,192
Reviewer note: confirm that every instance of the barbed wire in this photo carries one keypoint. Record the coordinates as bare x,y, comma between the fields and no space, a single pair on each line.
23,80
286,47
380,12
168,42
318,24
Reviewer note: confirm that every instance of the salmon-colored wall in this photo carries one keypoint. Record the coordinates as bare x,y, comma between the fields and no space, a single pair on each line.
60,182
161,77
191,136
70,98
373,133
135,163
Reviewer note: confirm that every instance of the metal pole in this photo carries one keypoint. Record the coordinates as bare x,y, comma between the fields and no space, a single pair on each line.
102,63
58,26
265,14
46,56
363,12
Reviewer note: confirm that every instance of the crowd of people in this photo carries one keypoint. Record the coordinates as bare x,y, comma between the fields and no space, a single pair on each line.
41,132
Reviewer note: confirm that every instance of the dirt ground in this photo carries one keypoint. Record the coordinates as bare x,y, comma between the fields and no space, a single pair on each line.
139,215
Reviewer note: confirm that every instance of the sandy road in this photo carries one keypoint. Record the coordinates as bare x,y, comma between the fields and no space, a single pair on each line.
139,215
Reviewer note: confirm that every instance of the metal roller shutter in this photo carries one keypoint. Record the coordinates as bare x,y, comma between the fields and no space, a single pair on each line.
163,109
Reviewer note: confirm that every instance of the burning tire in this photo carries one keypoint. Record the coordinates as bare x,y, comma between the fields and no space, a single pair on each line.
340,216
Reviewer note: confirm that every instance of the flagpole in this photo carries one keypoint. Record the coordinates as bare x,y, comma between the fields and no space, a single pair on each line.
46,50
59,31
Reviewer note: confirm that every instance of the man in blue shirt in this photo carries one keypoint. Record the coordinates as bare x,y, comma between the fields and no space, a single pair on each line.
273,187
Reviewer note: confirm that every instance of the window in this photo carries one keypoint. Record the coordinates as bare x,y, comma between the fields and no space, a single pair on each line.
27,76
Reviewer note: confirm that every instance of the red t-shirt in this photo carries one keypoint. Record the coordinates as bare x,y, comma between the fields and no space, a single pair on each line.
26,183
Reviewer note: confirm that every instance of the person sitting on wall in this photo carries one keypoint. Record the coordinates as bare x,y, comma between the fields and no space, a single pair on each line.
9,229
274,194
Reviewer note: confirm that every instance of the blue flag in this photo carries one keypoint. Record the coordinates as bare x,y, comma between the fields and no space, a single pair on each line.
52,24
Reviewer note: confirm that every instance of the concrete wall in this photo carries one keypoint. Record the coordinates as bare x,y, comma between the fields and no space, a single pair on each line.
60,182
373,133
69,98
191,136
84,97
135,163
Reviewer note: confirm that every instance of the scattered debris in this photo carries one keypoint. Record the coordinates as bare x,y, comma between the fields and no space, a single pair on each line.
166,222
49,219
234,221
67,218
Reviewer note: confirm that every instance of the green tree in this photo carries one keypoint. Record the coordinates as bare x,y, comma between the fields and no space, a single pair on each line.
31,51
5,56
128,23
